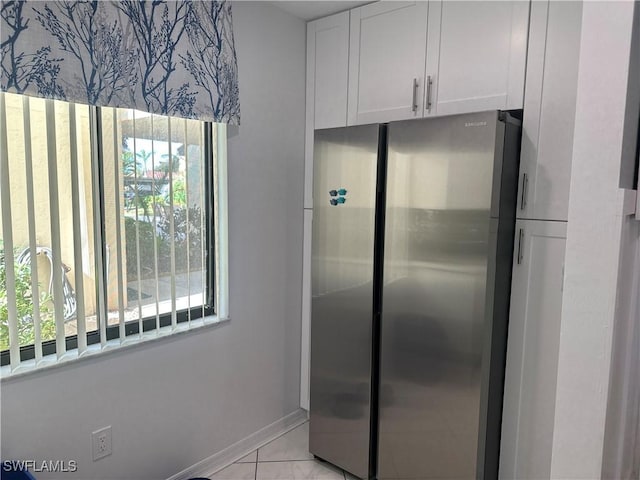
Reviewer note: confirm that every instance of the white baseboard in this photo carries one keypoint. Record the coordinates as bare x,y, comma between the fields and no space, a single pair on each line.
235,452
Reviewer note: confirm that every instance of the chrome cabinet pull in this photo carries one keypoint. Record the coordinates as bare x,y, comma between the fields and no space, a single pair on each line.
429,87
525,187
520,241
414,101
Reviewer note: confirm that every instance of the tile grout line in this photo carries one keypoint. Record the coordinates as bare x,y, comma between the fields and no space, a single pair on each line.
344,473
258,461
287,461
255,477
283,434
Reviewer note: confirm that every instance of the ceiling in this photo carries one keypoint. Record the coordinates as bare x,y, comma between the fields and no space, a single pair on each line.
312,9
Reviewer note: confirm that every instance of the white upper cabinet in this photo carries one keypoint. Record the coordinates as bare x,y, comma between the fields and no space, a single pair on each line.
414,59
532,350
386,62
328,70
549,112
476,55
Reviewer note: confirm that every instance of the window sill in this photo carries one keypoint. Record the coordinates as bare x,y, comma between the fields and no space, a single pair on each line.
97,351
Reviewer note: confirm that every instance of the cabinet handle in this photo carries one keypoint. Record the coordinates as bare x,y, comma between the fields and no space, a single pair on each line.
429,86
525,187
414,101
520,241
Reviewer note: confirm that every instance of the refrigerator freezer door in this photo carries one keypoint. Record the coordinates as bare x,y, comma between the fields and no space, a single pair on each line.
440,179
345,162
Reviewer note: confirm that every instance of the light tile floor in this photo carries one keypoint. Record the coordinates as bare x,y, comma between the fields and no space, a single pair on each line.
285,458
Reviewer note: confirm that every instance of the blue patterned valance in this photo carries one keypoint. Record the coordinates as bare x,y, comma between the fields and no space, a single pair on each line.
167,57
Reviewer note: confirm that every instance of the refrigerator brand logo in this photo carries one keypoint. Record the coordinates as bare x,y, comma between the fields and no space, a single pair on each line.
337,197
475,124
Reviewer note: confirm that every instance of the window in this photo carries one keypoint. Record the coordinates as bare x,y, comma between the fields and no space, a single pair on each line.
108,226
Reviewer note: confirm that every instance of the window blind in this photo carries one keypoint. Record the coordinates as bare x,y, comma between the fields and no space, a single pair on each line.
107,221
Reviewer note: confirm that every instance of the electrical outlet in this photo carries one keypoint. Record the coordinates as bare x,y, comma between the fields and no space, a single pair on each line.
101,443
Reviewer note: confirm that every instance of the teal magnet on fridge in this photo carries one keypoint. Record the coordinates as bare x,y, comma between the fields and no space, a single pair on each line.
341,199
342,191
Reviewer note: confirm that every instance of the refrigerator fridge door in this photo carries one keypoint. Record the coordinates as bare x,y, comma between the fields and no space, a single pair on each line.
438,244
345,171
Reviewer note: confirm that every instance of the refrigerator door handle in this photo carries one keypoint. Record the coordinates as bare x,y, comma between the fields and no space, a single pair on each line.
414,101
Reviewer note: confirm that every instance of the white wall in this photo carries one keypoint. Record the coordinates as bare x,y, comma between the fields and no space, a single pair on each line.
601,246
178,401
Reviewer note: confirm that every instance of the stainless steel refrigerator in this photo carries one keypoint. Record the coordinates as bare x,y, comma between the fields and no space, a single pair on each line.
413,228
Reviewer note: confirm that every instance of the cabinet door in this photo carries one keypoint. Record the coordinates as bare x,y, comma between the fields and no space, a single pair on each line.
550,107
476,54
532,350
328,70
387,51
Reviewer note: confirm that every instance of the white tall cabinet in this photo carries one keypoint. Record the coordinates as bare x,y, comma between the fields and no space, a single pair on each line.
538,270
